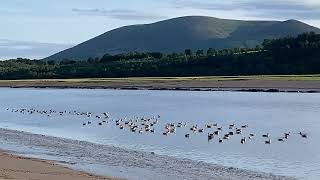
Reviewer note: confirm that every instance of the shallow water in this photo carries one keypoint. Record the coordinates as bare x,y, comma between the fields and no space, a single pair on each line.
275,113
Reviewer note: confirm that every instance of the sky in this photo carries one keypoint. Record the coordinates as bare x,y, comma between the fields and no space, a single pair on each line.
39,28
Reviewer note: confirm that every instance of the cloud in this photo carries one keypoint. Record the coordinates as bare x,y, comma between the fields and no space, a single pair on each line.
285,9
121,14
33,50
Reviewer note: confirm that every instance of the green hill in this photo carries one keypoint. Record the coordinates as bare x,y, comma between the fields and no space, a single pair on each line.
178,34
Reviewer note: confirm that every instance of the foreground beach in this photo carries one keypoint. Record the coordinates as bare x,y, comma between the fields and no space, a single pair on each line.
17,167
272,83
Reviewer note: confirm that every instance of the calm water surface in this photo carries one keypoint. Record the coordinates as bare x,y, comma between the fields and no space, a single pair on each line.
275,113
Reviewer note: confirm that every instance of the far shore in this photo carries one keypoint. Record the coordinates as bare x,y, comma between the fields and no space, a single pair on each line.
272,83
18,167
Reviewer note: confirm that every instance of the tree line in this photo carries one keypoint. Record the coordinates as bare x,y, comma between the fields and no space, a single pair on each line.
290,55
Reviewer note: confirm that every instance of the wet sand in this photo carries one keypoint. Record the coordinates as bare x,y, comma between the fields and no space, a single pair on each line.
17,167
306,83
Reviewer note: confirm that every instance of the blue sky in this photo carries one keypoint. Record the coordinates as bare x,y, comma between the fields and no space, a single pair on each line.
38,28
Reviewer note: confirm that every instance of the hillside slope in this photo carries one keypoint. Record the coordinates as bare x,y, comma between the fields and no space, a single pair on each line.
178,34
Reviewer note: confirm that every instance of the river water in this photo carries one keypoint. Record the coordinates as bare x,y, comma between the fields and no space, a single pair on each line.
273,113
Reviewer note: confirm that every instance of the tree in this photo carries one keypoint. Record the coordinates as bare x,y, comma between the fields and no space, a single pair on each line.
67,62
51,62
199,53
188,52
157,55
107,58
90,60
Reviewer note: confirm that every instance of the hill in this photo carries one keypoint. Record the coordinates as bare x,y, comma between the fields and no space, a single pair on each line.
178,34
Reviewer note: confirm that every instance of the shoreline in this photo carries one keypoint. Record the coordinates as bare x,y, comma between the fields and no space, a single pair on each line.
302,84
130,164
233,89
19,167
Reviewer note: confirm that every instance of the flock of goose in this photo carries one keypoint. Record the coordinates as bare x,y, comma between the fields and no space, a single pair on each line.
147,125
232,130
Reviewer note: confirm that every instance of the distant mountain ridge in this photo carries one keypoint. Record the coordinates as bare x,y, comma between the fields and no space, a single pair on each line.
178,34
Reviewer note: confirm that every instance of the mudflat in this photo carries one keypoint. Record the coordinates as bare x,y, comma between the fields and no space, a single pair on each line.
281,83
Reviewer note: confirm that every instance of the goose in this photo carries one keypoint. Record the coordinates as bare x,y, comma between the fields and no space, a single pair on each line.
286,135
226,136
251,135
238,131
303,135
265,135
84,124
165,133
268,142
245,126
106,115
281,139
210,136
220,140
216,132
243,140
187,135
172,130
194,128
